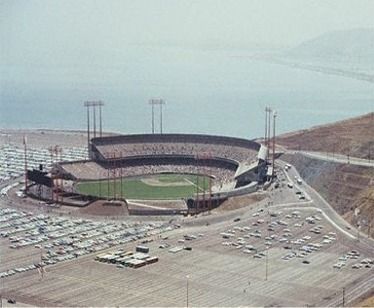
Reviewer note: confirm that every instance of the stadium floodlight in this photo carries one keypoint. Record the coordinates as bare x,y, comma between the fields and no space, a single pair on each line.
268,111
153,102
93,105
274,118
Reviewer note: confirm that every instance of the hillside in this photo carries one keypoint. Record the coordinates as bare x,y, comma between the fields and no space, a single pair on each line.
346,187
354,137
344,46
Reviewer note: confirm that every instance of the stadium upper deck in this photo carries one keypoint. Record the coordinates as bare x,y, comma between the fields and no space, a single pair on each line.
127,146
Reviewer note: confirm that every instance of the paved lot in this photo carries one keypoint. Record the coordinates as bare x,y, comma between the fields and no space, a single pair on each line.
227,265
218,275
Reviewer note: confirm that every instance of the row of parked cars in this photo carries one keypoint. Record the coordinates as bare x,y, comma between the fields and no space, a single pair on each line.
276,228
350,256
61,238
16,270
12,159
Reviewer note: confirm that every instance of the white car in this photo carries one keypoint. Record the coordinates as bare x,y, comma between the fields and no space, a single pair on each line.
339,265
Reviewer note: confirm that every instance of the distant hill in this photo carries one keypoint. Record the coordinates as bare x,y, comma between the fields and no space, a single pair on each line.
350,45
354,137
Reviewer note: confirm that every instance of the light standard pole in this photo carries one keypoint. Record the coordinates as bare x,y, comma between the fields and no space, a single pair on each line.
187,277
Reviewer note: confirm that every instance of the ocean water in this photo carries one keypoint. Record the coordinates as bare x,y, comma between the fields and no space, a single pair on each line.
212,92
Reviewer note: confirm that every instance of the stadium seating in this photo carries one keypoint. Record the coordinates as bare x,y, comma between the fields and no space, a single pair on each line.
134,155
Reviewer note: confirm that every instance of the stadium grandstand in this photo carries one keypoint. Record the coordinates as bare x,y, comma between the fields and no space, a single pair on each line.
232,166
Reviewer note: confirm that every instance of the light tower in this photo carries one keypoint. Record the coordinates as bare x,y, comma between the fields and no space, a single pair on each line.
267,128
274,118
153,102
93,105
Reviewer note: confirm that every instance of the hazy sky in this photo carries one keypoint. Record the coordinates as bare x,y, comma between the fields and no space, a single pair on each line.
56,54
63,28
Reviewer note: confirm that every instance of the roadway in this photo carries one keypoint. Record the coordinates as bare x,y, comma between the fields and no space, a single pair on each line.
321,203
333,157
365,244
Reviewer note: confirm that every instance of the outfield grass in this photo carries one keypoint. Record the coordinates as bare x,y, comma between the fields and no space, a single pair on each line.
181,186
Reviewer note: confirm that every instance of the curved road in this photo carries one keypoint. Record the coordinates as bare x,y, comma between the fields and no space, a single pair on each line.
322,204
364,244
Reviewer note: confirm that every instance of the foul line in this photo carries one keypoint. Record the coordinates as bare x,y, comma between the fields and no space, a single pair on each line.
193,184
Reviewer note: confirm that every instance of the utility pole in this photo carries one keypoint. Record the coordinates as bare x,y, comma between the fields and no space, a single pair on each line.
343,297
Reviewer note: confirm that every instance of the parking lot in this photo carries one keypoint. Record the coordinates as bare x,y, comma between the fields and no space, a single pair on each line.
280,251
266,257
12,159
30,242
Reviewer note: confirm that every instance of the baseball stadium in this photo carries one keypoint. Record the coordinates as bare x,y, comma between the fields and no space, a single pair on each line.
159,173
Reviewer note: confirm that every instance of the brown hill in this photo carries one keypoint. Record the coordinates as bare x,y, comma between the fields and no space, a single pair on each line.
354,137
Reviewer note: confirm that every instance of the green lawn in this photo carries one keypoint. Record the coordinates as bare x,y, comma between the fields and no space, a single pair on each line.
135,188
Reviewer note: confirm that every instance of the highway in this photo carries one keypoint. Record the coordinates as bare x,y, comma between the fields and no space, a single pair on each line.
364,244
337,158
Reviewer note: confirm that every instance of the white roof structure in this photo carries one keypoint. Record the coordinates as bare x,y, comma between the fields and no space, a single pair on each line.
262,153
244,168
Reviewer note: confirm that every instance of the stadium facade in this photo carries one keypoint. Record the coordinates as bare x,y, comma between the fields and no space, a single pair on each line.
235,166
